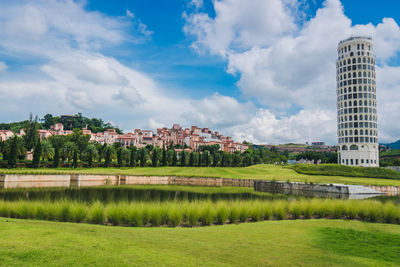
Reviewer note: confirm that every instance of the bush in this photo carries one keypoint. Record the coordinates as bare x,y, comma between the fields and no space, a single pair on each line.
222,214
96,213
206,215
193,215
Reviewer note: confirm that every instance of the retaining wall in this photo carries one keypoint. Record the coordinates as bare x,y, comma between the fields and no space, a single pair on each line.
395,168
320,190
23,181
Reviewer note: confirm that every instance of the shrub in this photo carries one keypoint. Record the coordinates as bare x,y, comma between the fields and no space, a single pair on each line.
222,214
234,214
279,210
96,213
295,209
243,213
256,212
156,217
134,216
193,215
207,215
175,215
114,214
78,212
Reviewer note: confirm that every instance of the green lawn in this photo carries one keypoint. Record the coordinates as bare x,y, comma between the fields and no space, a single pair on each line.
272,243
265,171
341,170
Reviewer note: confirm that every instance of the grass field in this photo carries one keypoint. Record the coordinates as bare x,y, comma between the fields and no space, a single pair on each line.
265,171
273,243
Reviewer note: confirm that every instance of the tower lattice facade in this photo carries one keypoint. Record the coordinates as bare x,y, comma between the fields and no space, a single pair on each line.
356,103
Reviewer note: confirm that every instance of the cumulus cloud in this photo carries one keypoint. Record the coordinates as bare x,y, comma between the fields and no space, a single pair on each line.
3,66
239,25
285,67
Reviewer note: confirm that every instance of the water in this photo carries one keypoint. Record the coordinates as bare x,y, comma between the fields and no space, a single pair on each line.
108,194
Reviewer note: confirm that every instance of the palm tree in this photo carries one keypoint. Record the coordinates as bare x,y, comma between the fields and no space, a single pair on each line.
47,150
90,152
69,150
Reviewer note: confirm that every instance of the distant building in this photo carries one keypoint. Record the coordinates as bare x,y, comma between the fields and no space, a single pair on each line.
317,144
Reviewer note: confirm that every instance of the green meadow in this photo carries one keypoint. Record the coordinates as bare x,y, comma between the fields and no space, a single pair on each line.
271,243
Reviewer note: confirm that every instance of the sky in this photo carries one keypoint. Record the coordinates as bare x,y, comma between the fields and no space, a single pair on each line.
261,71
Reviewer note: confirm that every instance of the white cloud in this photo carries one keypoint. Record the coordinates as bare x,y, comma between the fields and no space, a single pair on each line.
285,68
239,25
196,4
280,66
3,66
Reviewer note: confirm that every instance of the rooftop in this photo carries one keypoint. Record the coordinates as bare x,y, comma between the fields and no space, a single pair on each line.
355,38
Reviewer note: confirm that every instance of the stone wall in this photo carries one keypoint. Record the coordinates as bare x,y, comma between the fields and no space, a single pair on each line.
321,190
21,180
395,168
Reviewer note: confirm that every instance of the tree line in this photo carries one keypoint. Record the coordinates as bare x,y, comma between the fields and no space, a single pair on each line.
75,151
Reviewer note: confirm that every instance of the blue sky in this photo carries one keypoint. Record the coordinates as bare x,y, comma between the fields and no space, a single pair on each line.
256,70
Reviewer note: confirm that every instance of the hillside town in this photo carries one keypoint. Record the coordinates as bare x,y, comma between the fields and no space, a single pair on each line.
190,138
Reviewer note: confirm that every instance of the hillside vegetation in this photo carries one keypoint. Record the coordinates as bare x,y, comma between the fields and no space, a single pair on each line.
340,170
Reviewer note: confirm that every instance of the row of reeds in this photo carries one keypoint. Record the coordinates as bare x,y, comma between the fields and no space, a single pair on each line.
200,213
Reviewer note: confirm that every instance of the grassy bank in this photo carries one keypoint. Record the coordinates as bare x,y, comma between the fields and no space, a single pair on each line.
265,171
199,213
341,170
273,243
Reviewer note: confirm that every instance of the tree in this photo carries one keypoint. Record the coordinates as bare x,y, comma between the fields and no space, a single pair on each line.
119,157
174,158
90,152
196,160
216,159
48,121
37,153
237,159
57,142
69,150
155,156
75,159
109,153
164,157
31,136
247,160
13,153
132,160
225,159
191,159
206,158
142,156
183,158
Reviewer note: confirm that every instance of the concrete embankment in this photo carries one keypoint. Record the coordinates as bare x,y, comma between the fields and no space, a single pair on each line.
32,180
74,180
317,190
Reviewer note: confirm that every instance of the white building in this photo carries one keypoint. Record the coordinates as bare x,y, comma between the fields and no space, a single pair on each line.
356,103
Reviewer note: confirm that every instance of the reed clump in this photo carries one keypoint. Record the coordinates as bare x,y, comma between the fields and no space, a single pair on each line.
199,213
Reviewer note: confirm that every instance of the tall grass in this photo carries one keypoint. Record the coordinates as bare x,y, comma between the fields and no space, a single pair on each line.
197,213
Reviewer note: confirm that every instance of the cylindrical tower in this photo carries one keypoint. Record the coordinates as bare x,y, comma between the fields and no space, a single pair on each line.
356,103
